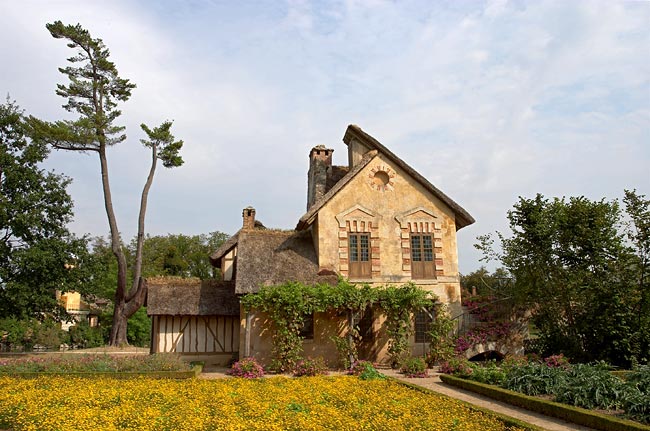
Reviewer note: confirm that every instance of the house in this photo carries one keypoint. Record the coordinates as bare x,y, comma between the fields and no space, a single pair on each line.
374,221
77,309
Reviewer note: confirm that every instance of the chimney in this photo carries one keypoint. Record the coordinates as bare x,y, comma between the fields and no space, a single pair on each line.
320,162
249,218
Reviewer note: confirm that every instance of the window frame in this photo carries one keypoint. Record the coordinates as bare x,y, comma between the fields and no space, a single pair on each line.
359,255
423,259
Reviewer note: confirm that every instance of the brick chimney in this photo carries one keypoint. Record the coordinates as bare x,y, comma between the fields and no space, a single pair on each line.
249,218
320,163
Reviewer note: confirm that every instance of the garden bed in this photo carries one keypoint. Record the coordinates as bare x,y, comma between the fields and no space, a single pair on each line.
157,366
572,414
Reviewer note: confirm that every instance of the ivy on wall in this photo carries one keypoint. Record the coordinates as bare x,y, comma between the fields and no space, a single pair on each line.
288,304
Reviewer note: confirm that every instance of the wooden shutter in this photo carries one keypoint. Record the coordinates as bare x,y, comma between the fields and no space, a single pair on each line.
359,255
422,262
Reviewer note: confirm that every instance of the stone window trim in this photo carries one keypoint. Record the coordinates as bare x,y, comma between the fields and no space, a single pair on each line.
361,220
420,220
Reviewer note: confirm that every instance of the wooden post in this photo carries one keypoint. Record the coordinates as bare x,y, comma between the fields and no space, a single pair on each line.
350,337
247,337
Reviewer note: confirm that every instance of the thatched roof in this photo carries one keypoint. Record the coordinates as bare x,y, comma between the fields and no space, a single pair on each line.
225,248
269,257
463,218
191,297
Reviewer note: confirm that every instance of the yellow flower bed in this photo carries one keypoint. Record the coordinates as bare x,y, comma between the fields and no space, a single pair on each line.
314,403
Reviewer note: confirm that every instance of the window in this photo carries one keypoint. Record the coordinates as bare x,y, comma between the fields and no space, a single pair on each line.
422,262
307,330
423,321
359,255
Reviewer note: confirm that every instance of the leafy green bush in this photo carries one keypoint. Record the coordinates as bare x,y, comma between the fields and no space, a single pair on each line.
489,373
414,367
365,370
82,335
534,379
637,400
591,386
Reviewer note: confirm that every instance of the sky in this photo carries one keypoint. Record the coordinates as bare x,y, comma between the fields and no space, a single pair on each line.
487,100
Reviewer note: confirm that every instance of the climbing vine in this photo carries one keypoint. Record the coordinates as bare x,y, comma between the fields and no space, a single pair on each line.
399,304
288,304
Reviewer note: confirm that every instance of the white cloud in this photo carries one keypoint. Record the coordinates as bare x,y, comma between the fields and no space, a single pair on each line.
489,101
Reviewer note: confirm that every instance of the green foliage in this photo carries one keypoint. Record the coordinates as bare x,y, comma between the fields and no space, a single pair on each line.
347,347
591,386
180,255
534,379
573,269
25,334
441,346
399,304
288,303
414,367
83,336
66,363
365,370
139,329
489,373
38,254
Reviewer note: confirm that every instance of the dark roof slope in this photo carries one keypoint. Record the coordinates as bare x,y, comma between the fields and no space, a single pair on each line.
225,248
191,297
267,257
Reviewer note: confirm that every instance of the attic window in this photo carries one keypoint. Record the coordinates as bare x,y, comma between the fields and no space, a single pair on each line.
381,178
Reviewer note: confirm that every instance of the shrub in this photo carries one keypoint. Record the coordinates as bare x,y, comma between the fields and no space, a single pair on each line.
489,373
247,368
591,386
310,367
82,335
65,363
533,379
365,370
414,367
457,366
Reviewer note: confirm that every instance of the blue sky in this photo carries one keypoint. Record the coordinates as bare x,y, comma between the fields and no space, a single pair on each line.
488,100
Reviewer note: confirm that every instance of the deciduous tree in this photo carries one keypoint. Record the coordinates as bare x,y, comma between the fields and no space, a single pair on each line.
574,270
38,254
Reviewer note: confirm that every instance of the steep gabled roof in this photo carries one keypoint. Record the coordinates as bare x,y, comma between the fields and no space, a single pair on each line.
463,218
268,257
225,248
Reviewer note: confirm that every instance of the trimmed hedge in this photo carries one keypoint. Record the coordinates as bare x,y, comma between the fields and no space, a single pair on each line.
194,372
507,420
576,415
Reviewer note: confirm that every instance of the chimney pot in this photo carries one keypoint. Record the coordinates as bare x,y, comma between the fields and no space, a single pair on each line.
248,214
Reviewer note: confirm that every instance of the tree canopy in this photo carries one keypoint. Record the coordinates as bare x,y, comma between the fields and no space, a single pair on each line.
38,254
575,271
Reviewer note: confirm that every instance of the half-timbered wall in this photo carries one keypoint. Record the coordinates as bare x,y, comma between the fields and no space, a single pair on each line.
196,334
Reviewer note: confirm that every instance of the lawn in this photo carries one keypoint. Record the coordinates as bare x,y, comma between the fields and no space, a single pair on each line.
278,403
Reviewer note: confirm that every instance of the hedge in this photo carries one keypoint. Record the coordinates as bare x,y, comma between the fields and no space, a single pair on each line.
194,372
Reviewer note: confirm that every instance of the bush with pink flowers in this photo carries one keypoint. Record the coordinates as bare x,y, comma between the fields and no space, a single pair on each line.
247,368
